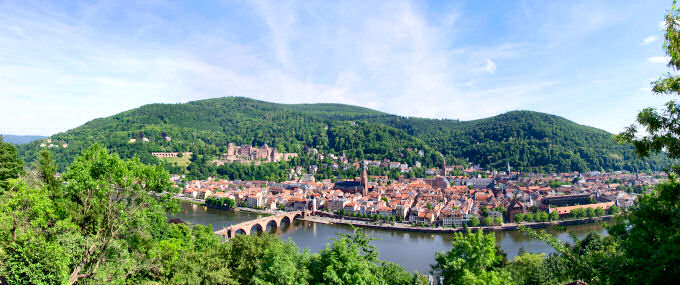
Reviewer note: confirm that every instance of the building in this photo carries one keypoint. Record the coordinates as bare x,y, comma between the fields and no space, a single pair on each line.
566,200
170,154
246,153
349,186
364,182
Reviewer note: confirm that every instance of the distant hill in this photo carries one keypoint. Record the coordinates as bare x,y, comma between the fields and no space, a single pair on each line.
13,139
524,139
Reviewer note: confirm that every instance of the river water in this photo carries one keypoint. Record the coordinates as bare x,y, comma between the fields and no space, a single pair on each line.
412,250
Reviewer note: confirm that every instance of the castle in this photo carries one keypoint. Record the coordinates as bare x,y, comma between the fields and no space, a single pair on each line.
247,153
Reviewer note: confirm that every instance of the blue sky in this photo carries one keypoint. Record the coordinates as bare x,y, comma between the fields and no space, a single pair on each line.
62,65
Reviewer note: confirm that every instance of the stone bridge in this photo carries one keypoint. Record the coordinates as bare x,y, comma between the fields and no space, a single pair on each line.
260,224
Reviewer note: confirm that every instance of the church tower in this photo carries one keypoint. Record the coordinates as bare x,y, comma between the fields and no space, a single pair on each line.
444,167
364,181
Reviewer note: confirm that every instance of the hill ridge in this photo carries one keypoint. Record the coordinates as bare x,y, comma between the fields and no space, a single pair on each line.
523,138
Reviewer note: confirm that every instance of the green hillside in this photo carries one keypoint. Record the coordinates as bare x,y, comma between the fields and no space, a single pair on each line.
205,127
524,139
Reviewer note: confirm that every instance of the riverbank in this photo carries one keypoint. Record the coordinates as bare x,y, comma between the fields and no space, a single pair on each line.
202,203
408,227
411,228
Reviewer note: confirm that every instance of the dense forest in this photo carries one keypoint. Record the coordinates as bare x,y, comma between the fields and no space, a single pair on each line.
526,140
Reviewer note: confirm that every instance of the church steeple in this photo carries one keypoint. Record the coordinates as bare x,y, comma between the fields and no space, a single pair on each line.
364,180
444,166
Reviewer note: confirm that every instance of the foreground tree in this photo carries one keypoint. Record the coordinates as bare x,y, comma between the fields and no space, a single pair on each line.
650,238
10,165
527,268
649,232
110,202
470,260
36,246
351,259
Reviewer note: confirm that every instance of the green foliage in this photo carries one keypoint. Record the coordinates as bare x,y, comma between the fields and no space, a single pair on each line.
578,213
487,221
474,221
527,268
594,259
649,236
10,165
518,218
527,141
470,260
282,263
27,256
556,183
47,169
613,210
351,259
220,202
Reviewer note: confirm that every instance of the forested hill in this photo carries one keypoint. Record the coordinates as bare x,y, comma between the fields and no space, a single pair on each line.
524,139
205,127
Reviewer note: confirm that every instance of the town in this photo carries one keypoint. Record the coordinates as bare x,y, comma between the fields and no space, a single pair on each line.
476,198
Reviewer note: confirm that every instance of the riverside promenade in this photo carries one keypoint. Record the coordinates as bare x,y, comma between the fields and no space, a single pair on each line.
411,228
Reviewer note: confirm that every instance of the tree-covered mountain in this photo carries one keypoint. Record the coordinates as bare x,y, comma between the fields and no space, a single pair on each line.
205,127
524,139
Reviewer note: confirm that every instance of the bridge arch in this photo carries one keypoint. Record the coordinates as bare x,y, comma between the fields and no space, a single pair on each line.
273,225
256,228
240,231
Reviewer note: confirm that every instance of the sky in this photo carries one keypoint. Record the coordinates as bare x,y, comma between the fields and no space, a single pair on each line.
65,63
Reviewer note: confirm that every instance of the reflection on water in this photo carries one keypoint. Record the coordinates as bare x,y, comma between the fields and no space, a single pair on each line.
412,250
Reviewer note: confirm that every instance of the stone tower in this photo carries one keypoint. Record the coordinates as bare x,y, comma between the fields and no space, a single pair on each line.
364,181
444,167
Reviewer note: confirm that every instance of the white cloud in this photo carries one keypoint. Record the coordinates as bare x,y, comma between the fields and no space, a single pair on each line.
490,66
648,40
659,59
662,25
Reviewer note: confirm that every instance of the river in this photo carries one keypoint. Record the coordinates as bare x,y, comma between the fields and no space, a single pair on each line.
412,250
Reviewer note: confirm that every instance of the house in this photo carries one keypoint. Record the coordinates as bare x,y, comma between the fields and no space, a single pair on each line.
255,201
296,205
203,193
337,204
515,207
564,211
